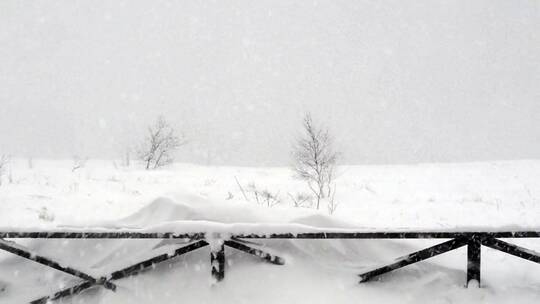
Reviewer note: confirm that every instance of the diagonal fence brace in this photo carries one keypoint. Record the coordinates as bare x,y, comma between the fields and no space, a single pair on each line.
64,293
120,274
137,268
274,259
18,250
415,257
512,249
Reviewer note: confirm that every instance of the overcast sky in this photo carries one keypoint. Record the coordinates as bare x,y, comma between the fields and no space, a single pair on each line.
395,81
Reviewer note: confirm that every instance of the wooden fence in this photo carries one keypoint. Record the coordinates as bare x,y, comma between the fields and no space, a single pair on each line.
474,240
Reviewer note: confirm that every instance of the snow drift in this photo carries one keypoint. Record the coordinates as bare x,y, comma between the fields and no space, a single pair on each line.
342,259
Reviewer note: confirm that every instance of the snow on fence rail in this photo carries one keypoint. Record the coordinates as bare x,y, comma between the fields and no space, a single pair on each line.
474,240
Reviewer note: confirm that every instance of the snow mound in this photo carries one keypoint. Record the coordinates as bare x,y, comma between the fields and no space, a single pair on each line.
182,207
323,221
160,210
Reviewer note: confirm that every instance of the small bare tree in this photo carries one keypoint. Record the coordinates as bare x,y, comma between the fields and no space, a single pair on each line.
332,204
314,159
127,158
4,162
161,141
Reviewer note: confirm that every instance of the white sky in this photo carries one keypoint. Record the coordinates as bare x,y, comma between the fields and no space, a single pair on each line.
396,81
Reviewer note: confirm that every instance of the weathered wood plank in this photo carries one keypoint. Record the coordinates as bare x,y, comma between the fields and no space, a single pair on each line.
307,235
274,259
474,250
99,235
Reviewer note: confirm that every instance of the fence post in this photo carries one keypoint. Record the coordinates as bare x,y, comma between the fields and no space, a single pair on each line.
217,261
473,260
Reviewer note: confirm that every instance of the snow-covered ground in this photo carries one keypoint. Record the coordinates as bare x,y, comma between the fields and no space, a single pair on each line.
427,196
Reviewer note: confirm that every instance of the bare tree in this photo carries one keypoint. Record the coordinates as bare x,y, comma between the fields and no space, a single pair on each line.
161,141
314,159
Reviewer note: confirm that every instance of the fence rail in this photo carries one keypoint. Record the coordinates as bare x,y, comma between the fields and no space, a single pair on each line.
300,235
474,240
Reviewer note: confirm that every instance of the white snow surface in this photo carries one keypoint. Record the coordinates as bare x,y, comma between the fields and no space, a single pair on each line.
191,198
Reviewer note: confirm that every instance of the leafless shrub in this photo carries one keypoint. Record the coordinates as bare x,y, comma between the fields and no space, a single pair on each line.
161,141
270,199
252,188
78,163
264,196
210,182
314,159
45,215
301,199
